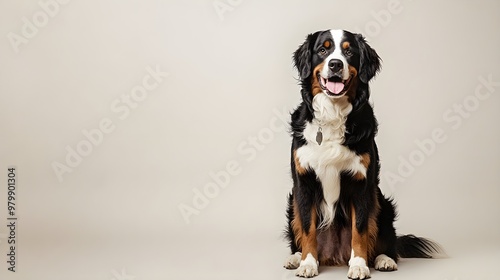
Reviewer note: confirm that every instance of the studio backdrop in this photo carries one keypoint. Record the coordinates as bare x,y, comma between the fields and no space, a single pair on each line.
150,139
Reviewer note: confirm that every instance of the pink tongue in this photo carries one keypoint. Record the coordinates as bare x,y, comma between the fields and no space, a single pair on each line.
334,87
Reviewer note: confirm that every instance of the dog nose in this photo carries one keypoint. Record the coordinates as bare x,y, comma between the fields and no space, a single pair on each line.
335,65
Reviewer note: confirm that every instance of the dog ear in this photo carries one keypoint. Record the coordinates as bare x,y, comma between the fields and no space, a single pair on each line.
369,61
302,57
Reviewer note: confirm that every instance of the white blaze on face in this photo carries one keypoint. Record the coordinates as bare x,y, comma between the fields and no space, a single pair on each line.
337,36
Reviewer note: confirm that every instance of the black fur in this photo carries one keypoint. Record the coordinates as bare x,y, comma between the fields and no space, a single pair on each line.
369,60
410,246
364,195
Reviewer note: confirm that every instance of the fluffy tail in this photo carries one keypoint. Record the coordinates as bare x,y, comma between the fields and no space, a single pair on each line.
410,246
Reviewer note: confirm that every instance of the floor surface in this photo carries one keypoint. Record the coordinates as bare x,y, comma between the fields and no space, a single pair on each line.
191,256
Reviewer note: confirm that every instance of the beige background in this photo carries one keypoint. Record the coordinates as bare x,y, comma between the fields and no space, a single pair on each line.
230,78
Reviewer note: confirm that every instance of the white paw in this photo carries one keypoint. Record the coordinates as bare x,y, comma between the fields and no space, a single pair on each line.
307,270
358,272
308,267
358,268
384,263
293,261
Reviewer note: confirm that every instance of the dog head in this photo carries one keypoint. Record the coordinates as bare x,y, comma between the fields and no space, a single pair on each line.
335,63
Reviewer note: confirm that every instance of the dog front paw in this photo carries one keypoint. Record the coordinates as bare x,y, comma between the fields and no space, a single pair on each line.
293,261
384,263
308,267
358,272
307,270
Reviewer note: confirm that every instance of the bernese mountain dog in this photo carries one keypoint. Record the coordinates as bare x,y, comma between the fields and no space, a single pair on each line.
337,214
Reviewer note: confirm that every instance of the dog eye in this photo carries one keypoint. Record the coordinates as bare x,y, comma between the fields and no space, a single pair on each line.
348,52
322,51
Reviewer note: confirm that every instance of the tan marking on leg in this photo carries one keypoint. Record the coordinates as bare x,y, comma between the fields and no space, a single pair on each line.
373,230
306,243
359,243
298,167
309,241
363,244
297,225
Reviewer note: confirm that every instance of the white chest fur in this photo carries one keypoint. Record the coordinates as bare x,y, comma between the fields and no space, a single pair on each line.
330,158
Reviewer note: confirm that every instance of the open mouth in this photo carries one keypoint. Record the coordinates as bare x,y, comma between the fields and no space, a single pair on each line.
334,86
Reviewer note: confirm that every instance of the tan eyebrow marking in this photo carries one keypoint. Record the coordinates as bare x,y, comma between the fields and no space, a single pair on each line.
327,44
345,45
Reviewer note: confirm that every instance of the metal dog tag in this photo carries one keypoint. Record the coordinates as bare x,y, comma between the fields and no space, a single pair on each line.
319,136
